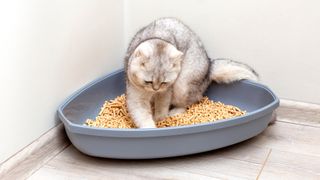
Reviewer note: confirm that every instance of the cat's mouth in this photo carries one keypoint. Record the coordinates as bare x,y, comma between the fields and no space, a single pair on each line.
152,89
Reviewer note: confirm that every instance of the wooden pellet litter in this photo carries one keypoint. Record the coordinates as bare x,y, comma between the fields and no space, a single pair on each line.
114,114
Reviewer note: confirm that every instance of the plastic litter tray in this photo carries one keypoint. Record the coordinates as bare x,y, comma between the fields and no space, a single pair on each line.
258,100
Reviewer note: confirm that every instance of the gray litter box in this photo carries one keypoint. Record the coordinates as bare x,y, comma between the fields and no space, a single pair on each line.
258,100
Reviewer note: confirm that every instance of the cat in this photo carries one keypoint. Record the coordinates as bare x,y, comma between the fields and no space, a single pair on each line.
166,65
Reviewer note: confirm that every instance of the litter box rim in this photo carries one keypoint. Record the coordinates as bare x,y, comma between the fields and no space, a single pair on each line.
167,131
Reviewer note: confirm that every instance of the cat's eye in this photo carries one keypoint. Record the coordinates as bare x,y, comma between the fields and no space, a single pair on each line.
148,82
164,83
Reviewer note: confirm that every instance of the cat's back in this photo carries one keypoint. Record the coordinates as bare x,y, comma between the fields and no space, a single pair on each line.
169,29
169,24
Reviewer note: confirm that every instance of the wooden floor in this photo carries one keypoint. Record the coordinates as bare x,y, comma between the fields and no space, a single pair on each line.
288,149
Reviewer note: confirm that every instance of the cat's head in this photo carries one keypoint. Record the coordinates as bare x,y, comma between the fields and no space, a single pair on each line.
154,65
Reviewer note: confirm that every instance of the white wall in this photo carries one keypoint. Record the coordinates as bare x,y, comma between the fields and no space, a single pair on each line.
280,39
49,49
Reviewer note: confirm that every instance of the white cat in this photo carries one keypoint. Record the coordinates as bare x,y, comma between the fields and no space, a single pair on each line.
167,66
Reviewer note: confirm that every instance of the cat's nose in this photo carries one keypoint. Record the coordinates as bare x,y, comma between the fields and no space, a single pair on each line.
155,87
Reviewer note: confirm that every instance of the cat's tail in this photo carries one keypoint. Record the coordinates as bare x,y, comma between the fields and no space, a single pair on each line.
227,71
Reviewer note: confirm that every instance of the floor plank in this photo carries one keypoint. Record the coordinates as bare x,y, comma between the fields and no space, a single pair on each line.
36,155
291,166
290,137
236,162
55,171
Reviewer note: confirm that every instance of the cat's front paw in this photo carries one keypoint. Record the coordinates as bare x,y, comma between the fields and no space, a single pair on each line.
160,116
147,124
176,111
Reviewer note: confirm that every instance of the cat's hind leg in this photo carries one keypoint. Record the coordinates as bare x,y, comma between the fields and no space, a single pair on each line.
188,91
183,97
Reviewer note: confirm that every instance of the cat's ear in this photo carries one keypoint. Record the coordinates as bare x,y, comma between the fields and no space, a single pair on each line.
174,53
144,50
141,55
138,54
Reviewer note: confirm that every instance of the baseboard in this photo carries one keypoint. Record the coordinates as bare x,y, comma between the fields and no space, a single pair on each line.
299,112
32,157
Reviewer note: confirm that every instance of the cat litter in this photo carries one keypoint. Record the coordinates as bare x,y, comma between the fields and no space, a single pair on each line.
114,114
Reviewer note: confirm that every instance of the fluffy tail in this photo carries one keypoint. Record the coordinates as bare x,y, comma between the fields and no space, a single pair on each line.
227,71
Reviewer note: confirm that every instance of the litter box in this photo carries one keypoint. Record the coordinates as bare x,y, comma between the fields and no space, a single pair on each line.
257,100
